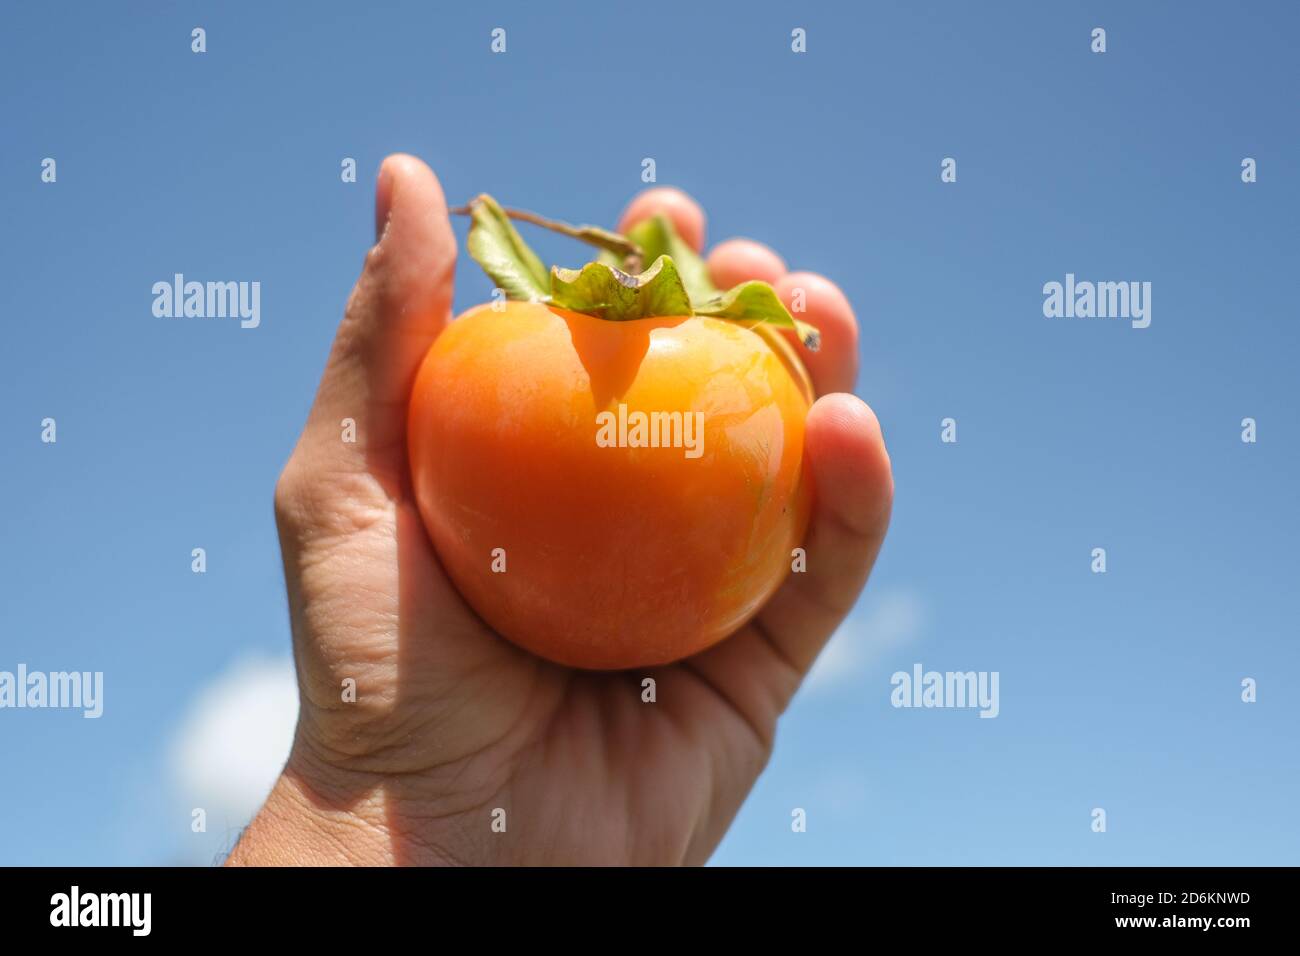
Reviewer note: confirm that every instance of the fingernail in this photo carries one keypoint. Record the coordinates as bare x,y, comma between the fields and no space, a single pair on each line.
383,201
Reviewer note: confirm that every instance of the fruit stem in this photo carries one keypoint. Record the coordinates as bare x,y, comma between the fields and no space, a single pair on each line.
592,235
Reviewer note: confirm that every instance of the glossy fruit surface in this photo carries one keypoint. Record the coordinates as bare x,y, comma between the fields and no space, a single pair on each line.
560,525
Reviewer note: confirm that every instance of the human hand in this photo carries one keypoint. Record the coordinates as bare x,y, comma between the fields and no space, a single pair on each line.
451,723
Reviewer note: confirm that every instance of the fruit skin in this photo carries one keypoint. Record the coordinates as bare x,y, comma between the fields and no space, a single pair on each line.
615,557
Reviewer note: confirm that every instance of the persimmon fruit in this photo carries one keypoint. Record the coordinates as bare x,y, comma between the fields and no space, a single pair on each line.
605,486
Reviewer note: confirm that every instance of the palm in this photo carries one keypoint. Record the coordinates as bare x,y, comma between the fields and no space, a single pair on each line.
553,747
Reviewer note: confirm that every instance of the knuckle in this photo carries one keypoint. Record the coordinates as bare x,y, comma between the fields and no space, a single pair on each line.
288,493
319,503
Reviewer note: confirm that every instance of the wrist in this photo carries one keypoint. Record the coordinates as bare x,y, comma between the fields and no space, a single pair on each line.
293,828
319,816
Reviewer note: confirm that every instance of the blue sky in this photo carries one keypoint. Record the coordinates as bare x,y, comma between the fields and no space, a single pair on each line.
1118,690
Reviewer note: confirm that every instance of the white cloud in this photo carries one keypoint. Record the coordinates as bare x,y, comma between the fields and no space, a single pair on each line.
878,623
234,739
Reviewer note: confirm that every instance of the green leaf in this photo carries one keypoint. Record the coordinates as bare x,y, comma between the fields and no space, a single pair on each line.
677,282
505,257
755,302
657,237
602,290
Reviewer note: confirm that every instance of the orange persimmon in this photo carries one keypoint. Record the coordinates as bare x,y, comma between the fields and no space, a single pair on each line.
610,494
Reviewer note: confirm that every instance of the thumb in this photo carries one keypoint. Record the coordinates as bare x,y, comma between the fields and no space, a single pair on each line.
398,307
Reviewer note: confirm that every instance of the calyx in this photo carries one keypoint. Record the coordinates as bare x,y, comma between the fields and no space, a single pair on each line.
615,286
